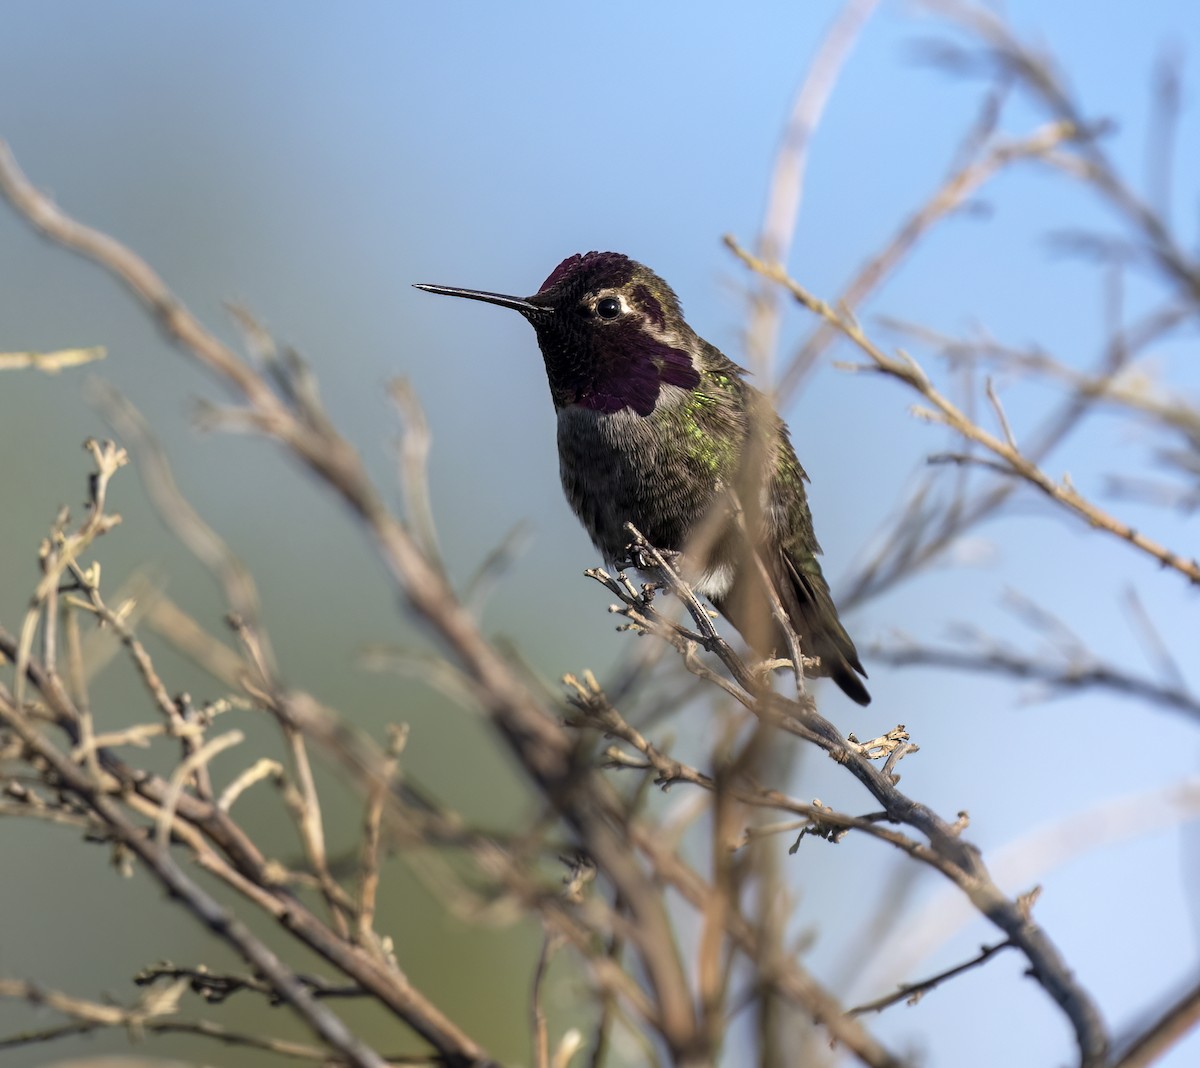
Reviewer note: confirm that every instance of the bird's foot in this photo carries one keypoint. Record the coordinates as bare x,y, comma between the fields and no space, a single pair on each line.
642,557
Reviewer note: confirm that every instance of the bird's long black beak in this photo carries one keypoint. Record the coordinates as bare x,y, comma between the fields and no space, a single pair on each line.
520,304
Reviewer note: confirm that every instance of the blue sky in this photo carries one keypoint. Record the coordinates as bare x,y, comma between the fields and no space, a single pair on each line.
313,160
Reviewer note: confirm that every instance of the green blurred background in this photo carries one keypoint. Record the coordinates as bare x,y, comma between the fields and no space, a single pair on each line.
312,160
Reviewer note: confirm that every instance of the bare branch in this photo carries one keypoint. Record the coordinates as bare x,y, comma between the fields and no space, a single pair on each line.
913,992
51,362
944,411
786,189
1059,678
1161,1034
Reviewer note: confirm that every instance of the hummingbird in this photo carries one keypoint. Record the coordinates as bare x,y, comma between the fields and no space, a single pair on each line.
655,427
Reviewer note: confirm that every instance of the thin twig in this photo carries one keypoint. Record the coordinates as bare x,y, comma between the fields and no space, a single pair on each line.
944,411
913,992
51,362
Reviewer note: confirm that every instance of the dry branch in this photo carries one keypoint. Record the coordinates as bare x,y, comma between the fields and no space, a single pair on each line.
904,369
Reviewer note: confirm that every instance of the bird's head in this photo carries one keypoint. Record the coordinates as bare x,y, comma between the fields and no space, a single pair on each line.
611,332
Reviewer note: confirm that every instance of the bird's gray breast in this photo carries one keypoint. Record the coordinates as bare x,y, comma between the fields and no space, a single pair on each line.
620,468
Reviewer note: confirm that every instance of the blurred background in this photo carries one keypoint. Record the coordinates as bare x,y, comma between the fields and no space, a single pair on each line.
311,161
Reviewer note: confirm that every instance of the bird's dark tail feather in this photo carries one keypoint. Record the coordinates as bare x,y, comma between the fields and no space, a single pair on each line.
815,618
809,606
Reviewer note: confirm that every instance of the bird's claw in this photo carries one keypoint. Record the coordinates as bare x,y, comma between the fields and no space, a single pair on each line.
642,558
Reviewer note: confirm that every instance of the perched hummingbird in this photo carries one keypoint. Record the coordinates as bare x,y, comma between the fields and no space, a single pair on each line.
654,427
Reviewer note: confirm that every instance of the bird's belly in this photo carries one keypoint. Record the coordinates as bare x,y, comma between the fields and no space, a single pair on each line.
623,468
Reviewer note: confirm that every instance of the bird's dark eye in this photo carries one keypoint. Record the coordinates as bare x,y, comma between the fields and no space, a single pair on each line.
608,308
